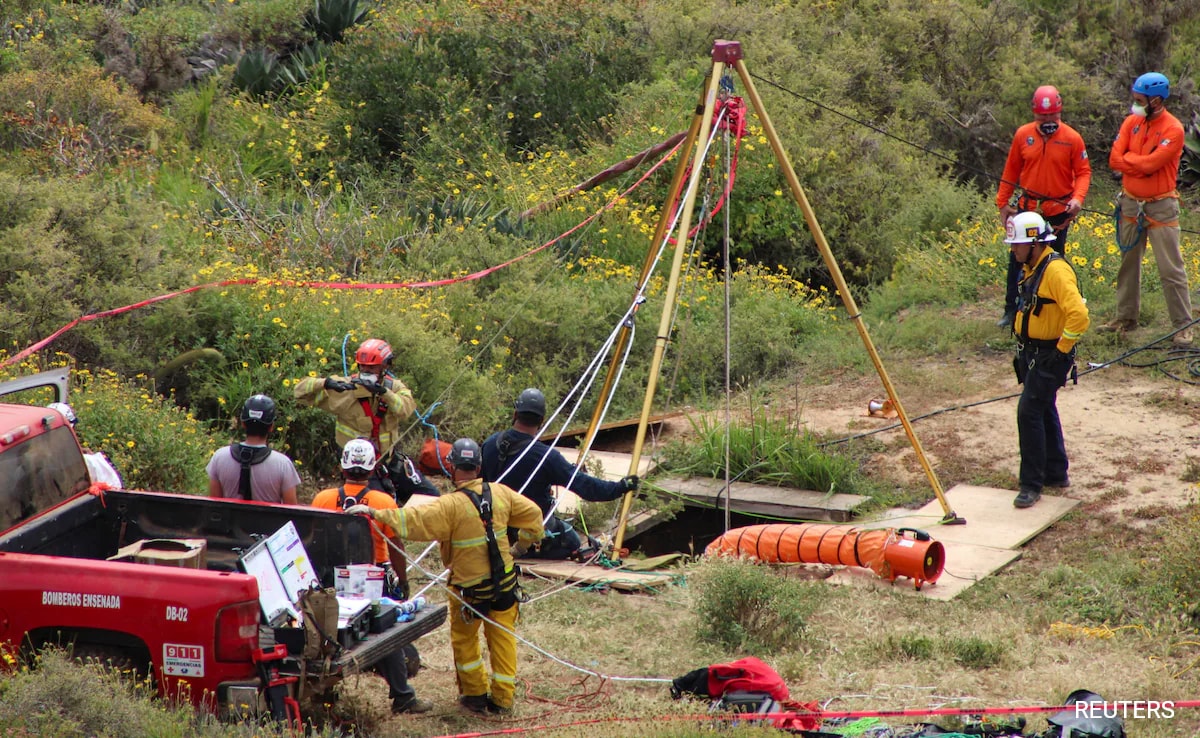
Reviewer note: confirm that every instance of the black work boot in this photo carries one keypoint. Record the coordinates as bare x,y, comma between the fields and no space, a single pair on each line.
1027,498
479,703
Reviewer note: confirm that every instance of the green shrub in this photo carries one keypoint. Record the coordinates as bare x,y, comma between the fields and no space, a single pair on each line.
742,606
909,647
152,443
976,653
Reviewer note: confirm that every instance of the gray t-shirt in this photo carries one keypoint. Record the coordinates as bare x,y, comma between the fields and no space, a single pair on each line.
268,480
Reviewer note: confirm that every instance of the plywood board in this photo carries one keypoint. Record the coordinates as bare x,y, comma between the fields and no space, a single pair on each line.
966,564
991,518
613,466
629,581
761,499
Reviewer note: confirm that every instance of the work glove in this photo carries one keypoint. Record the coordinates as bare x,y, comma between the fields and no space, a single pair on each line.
631,483
396,587
358,510
374,388
337,385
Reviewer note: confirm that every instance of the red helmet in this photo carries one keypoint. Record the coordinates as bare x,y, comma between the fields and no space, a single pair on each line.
374,352
1046,100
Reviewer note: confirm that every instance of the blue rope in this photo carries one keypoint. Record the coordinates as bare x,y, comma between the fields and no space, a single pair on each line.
345,366
424,420
1137,236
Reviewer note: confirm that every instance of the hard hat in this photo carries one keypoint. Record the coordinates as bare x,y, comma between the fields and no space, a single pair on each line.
1046,100
465,454
258,409
65,410
531,401
1028,227
374,352
1152,84
358,454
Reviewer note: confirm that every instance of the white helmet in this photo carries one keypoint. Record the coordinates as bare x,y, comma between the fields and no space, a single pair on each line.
358,454
1028,227
64,409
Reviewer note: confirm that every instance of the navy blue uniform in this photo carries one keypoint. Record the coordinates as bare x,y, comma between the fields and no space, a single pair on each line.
500,452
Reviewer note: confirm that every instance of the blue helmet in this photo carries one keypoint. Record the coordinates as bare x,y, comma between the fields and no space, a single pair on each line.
1153,84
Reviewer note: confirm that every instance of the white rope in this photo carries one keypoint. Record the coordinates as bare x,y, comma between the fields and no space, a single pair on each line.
590,672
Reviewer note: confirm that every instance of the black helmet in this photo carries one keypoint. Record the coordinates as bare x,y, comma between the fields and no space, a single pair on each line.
258,412
465,454
531,401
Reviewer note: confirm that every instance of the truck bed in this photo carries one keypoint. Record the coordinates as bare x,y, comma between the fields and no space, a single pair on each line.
95,527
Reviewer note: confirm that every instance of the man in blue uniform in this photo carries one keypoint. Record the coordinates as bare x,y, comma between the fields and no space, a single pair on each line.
516,458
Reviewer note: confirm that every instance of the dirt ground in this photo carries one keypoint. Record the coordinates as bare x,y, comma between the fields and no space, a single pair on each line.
1131,434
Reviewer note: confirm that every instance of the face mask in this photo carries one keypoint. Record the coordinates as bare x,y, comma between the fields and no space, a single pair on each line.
1048,129
1138,110
368,378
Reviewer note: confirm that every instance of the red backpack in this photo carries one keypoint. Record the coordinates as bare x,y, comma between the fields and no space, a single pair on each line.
746,675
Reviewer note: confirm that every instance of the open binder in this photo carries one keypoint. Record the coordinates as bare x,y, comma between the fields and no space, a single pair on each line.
283,570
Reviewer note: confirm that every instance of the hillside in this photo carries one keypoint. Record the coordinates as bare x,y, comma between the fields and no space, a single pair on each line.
203,200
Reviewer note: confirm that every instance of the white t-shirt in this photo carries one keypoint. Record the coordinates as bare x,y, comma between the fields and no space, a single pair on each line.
268,480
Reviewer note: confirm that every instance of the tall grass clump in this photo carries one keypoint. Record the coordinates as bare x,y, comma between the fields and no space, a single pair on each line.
745,607
767,450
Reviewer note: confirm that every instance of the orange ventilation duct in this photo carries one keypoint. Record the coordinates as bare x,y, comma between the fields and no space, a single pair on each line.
889,552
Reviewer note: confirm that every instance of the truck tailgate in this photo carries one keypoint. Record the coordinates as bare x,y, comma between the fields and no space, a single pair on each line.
367,653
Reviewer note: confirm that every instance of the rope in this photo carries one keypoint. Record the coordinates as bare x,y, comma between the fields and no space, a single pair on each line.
1174,354
439,580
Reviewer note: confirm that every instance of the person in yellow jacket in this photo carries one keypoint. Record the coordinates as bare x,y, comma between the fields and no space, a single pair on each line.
1051,316
483,577
371,403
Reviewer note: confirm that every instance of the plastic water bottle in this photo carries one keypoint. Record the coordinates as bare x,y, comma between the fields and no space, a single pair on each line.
411,607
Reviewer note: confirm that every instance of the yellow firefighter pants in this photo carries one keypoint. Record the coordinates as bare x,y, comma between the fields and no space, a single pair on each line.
468,656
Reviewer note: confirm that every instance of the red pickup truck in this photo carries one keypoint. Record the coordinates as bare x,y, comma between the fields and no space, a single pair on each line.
196,632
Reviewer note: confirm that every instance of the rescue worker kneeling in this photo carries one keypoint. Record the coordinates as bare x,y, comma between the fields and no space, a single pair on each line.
1051,317
482,574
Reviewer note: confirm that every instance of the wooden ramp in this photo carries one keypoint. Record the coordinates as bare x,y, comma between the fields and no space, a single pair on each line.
990,540
588,574
761,499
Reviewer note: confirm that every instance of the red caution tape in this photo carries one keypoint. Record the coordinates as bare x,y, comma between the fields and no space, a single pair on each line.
330,285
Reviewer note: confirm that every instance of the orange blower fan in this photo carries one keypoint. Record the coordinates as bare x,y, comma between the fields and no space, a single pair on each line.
889,552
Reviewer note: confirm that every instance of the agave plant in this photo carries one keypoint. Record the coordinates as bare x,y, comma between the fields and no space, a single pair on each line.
1189,165
329,19
257,72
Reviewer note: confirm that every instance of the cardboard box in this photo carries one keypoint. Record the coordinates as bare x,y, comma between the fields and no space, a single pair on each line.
186,553
359,580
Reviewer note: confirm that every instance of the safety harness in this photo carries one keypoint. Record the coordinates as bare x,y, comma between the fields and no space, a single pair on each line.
248,456
501,590
1030,303
346,501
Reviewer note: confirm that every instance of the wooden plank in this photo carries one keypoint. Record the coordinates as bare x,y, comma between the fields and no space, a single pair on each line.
629,581
761,499
966,564
653,423
991,518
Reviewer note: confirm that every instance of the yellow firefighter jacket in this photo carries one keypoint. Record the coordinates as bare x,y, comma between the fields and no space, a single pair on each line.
356,419
453,521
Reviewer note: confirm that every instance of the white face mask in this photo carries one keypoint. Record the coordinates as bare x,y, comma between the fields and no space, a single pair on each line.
369,378
1138,110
